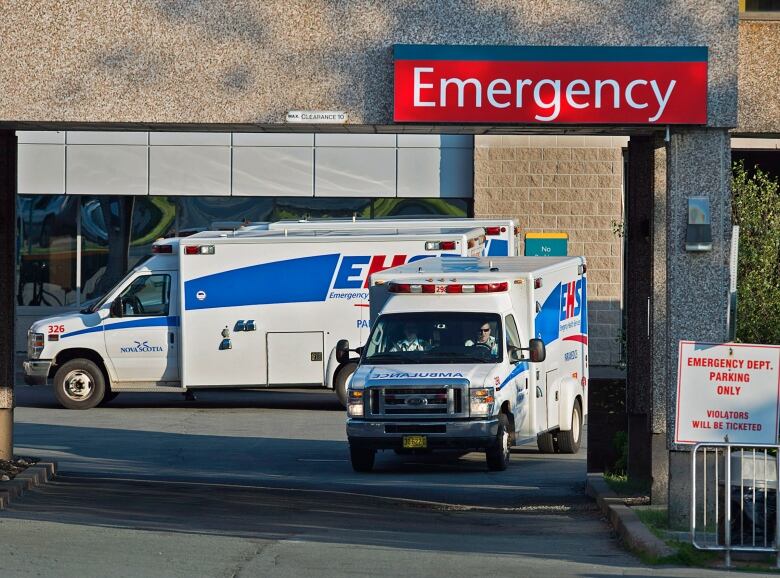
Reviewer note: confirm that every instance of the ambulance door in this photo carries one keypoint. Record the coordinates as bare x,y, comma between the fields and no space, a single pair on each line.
143,343
296,358
553,395
519,375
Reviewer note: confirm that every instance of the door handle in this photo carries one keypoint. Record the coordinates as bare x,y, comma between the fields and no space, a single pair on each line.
172,337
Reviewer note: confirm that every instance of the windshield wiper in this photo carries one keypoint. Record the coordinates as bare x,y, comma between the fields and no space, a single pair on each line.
458,357
392,356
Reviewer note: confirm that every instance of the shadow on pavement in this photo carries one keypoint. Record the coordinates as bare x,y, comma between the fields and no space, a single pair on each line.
303,399
199,508
301,463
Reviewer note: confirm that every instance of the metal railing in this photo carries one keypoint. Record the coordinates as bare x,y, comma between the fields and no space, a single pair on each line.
734,496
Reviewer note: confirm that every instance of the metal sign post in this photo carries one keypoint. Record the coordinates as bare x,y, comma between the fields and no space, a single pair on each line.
733,262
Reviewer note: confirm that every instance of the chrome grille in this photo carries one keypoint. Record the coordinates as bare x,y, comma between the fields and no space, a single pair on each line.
423,401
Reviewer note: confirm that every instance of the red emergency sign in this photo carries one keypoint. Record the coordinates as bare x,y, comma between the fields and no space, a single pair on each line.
552,85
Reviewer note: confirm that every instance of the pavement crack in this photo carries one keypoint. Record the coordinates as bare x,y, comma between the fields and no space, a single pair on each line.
247,558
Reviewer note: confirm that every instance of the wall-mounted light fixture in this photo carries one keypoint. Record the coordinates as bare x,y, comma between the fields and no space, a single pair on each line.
699,233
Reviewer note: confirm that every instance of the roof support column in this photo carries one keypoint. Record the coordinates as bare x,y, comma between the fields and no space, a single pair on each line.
673,294
696,284
7,285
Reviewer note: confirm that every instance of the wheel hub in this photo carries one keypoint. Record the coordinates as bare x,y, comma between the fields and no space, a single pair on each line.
78,385
575,426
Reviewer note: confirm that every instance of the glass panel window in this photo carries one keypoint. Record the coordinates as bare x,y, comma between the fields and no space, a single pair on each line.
413,207
46,226
117,232
147,296
295,208
440,338
153,218
512,336
105,241
195,214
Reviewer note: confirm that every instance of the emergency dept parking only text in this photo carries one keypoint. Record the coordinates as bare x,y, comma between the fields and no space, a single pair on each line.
727,392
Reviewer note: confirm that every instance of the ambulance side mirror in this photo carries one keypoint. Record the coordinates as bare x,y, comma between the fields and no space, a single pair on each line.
342,350
536,351
116,308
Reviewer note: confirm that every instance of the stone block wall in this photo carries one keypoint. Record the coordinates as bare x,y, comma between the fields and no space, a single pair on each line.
569,184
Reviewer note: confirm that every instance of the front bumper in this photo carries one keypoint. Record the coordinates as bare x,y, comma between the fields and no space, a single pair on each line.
36,372
387,435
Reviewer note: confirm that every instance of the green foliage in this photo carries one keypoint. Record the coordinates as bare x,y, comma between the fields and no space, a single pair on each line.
756,209
620,441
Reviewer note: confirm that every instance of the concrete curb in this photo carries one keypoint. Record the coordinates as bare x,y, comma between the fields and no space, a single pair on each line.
34,476
625,521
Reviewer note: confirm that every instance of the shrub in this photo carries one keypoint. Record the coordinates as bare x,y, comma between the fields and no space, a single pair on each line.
756,209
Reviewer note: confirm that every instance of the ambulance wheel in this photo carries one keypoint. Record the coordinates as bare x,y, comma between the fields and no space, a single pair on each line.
340,381
569,441
498,455
79,384
546,443
362,459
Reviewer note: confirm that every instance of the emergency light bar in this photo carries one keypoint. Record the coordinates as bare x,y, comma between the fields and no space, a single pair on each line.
449,288
440,245
493,231
162,249
199,250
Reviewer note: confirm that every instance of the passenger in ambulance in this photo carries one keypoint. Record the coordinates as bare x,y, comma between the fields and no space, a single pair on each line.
484,339
410,340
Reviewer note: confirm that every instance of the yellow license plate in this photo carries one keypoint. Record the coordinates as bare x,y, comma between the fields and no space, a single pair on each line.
415,442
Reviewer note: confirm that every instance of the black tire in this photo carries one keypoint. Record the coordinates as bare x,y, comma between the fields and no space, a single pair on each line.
362,459
340,380
546,443
569,441
498,455
79,384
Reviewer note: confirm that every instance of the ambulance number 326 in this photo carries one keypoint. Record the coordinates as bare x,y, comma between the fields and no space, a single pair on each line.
56,329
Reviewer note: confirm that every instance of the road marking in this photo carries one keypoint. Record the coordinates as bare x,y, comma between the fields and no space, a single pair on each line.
318,460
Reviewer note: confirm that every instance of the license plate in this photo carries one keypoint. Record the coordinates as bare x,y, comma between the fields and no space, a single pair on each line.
415,442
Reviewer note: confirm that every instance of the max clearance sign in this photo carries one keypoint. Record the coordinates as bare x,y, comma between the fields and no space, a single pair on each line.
727,392
550,84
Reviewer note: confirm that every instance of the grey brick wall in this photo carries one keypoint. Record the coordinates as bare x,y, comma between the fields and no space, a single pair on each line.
570,184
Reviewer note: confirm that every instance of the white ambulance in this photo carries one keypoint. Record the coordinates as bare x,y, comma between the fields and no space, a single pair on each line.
228,310
501,235
473,353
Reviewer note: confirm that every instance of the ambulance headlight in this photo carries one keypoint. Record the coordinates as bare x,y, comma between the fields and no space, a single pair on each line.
482,401
34,345
355,403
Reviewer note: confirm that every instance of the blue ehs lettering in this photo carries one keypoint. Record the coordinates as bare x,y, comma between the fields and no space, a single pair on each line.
349,276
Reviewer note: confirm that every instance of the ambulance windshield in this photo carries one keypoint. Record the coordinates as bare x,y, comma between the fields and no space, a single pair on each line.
440,337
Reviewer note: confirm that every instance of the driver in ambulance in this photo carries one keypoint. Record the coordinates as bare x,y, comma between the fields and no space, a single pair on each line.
484,339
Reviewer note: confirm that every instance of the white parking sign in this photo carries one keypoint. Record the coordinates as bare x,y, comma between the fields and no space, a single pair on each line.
727,392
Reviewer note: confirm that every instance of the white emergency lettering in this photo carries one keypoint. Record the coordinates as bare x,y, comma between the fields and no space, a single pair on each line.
547,93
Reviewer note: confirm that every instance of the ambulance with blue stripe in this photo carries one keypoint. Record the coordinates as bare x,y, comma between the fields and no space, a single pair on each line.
242,309
501,235
472,354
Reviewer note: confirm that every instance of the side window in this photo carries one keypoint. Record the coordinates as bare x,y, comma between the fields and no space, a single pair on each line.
147,296
512,336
